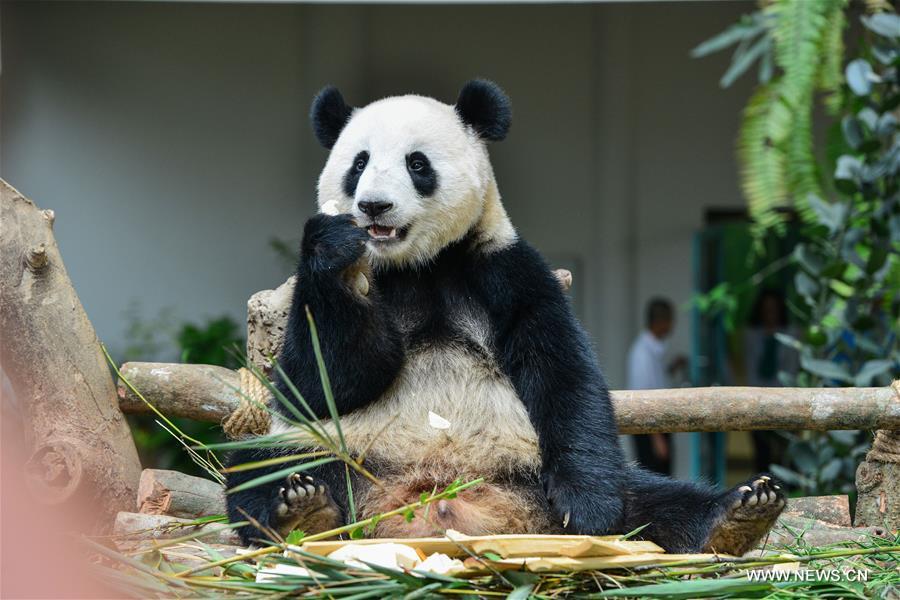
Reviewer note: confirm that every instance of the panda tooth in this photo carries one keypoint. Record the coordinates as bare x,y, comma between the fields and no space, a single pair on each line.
393,233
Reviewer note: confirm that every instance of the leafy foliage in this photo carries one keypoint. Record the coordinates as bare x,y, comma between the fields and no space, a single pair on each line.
847,264
775,145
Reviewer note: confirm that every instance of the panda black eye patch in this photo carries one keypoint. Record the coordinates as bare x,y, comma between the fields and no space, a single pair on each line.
351,177
424,177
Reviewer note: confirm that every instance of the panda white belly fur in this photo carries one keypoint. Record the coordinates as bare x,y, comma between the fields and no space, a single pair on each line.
489,436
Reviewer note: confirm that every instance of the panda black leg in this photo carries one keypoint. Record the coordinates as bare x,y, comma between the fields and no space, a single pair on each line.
745,515
684,516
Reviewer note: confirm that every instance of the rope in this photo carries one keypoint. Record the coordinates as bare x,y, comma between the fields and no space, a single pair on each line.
252,414
886,447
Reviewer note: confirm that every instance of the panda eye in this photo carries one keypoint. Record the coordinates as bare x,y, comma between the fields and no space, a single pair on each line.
360,162
417,162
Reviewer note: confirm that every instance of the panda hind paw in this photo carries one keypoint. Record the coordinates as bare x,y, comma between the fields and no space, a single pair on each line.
748,513
306,504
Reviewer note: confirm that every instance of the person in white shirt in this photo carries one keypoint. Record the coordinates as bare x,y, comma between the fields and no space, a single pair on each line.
647,370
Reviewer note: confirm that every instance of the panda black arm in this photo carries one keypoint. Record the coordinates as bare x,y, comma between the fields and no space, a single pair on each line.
546,354
362,350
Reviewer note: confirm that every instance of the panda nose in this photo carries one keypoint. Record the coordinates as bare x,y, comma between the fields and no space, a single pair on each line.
373,208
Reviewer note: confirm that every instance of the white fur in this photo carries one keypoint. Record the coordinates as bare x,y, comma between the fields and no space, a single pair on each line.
466,198
490,431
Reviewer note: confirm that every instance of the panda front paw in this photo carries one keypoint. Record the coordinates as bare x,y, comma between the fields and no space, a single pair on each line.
580,506
332,242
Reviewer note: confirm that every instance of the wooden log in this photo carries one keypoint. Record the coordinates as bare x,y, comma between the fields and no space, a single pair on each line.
132,526
748,409
199,392
834,510
207,393
82,453
790,530
164,492
878,480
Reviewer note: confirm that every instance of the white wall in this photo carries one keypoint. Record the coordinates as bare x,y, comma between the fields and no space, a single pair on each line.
172,139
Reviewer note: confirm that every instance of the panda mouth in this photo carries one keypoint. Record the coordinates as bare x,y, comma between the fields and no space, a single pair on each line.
386,233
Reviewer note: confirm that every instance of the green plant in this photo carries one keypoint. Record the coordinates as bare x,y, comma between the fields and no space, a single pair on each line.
212,343
847,263
797,45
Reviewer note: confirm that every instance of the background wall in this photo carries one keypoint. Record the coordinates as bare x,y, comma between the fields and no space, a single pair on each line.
172,140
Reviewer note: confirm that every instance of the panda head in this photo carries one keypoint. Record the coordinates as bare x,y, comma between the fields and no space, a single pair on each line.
413,171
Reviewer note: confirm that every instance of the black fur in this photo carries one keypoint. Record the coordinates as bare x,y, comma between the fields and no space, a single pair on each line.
357,168
537,344
423,175
329,114
485,108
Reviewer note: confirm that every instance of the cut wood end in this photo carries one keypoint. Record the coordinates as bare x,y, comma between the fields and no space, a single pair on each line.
36,257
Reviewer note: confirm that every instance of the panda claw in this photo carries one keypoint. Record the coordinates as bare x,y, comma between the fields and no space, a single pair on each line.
748,512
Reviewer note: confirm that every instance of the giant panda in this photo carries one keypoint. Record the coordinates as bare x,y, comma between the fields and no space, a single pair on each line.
461,318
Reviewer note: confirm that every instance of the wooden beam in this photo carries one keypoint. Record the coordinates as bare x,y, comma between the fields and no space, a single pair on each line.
207,393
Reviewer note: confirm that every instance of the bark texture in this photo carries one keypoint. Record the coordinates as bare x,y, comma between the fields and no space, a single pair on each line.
164,492
878,479
199,392
829,509
81,450
209,393
136,526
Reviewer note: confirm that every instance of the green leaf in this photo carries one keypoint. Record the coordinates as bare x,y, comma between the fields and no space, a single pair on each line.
825,369
841,289
744,29
883,23
743,62
808,259
786,475
803,455
853,131
806,285
830,471
859,76
870,370
886,126
357,534
789,341
523,592
692,588
846,437
492,556
831,215
295,537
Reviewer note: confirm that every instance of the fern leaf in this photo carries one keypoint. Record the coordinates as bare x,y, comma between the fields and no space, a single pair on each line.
831,73
762,159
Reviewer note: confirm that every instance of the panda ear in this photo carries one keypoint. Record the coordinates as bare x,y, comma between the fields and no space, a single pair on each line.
329,114
486,108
